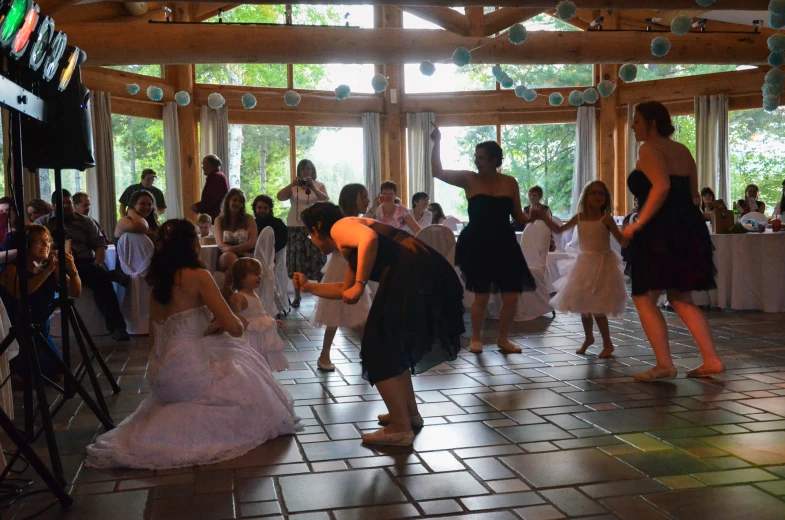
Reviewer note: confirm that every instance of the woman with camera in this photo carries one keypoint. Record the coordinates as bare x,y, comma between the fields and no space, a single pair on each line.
301,255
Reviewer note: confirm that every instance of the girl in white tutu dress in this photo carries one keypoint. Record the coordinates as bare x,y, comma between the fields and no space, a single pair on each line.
332,314
261,329
595,285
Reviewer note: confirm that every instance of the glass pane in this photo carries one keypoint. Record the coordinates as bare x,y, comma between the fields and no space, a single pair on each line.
329,76
252,13
73,180
458,144
542,155
138,144
253,74
259,162
327,147
654,71
147,70
757,153
345,15
685,131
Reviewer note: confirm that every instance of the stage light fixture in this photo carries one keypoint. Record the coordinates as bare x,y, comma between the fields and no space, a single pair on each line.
13,21
22,38
68,70
56,50
41,41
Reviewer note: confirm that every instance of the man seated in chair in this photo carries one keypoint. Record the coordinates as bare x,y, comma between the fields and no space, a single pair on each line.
263,213
88,247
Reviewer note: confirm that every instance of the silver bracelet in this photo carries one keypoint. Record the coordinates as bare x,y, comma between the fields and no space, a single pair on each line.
363,282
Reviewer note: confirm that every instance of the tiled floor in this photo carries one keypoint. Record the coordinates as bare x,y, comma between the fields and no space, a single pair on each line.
541,435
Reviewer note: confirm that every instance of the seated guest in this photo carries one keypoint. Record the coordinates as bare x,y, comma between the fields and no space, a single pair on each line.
386,211
8,226
89,249
780,206
42,285
37,208
263,213
419,211
750,202
5,209
708,200
235,235
535,197
141,216
438,213
204,223
148,178
82,206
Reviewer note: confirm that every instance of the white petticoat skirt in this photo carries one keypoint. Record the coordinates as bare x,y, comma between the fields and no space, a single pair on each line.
594,285
263,336
335,313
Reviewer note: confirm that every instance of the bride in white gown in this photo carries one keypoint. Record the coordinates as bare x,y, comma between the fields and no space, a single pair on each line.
213,397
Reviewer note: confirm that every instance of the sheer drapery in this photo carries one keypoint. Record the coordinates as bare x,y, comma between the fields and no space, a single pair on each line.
372,147
174,192
585,153
100,180
214,133
711,144
419,147
632,151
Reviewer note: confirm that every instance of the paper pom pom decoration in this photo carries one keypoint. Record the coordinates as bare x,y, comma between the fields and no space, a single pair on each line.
681,25
497,71
605,88
705,3
517,34
771,90
379,83
566,10
182,98
427,68
575,98
215,101
461,56
291,98
520,90
775,77
132,88
776,21
556,99
248,100
530,94
507,82
590,95
343,91
628,72
82,57
660,46
776,43
777,7
776,59
155,93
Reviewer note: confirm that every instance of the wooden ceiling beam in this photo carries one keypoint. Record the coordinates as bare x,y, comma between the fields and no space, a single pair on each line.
444,17
654,5
121,44
505,17
737,82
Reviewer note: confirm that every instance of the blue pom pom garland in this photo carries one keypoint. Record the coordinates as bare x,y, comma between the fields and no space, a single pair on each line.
590,95
461,56
182,98
628,72
517,34
248,100
660,46
291,98
575,98
566,10
606,87
215,101
555,99
155,93
681,25
343,92
132,88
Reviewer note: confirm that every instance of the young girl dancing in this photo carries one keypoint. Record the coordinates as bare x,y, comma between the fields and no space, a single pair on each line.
260,328
595,285
332,314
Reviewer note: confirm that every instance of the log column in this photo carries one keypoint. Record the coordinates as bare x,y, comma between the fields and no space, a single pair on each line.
183,77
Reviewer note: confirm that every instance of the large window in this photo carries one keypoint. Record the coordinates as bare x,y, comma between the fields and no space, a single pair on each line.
542,155
73,180
337,154
685,131
253,74
327,77
757,153
147,70
457,150
138,144
259,162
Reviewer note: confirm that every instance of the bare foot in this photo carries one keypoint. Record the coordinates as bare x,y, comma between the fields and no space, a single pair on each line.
586,344
607,351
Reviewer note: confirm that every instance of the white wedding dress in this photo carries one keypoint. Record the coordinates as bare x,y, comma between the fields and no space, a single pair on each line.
212,399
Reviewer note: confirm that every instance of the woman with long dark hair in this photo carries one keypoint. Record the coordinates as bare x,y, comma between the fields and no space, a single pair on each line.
235,235
670,248
416,317
212,397
141,216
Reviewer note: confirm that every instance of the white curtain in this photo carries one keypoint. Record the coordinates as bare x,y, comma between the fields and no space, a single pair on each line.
174,191
585,153
711,144
419,147
214,134
100,180
372,152
632,151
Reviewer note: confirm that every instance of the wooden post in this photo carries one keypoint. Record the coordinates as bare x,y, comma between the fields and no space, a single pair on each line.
476,21
393,126
607,132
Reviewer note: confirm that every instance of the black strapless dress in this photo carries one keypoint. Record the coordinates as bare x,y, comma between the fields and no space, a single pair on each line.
488,254
674,249
416,318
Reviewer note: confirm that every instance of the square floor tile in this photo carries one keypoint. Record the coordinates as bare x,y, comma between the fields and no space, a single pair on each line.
567,468
627,421
443,485
758,448
775,405
712,417
525,399
534,433
455,436
364,487
723,503
662,463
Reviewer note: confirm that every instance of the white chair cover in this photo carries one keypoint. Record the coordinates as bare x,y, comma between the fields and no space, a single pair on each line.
452,223
6,393
561,239
265,253
535,241
534,235
281,283
441,238
134,252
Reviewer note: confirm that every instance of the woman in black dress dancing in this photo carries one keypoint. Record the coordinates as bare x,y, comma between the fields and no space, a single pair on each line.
487,252
671,249
416,318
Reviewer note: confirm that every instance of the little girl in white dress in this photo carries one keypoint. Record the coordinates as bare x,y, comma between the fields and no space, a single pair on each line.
595,285
260,328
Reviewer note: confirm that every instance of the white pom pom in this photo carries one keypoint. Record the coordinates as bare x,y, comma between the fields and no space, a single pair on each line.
461,56
291,98
379,83
517,34
427,68
681,25
215,100
566,10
